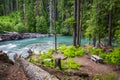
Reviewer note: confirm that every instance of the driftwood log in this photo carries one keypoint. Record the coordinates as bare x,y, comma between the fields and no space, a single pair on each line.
97,59
32,71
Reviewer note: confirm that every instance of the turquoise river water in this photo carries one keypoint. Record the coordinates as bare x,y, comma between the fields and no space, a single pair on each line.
35,44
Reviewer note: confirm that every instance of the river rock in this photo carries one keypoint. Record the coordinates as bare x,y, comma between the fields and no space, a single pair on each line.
17,36
4,58
33,35
10,36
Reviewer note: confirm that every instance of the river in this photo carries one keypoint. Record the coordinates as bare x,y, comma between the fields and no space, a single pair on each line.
37,45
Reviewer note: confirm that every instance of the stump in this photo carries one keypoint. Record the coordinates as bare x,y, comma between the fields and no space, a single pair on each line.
58,63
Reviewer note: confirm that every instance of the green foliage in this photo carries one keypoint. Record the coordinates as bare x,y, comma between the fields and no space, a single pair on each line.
70,64
19,28
41,25
62,48
71,51
12,22
114,57
97,51
70,21
117,33
33,60
47,55
80,52
109,76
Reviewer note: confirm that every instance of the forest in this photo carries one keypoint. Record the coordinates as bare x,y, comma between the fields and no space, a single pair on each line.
66,25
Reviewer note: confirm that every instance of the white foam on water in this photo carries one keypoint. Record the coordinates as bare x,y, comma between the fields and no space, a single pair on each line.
8,46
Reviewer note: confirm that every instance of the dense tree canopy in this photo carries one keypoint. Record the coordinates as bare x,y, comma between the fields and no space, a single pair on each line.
99,19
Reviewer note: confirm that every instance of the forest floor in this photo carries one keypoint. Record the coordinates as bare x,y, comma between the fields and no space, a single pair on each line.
92,68
10,71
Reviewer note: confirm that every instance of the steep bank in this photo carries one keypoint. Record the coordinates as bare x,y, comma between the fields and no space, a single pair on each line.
10,70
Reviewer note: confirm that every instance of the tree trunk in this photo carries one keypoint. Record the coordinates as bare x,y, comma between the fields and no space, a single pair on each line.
78,23
11,5
37,13
58,63
50,14
99,40
110,29
24,16
75,18
17,5
14,5
55,25
32,71
94,41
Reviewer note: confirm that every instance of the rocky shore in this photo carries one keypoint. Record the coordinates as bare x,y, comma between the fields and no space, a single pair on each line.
17,36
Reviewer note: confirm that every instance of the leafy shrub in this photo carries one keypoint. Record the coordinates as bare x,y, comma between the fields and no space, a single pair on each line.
41,25
62,48
103,55
90,49
47,55
97,51
70,51
114,57
33,60
8,22
70,64
80,52
19,27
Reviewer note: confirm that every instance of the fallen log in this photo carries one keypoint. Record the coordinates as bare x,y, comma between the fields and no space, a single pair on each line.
97,59
32,71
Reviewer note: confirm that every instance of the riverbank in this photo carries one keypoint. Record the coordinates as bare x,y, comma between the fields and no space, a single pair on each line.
10,70
17,36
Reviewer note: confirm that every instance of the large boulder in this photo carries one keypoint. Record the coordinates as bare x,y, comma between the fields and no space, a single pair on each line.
11,36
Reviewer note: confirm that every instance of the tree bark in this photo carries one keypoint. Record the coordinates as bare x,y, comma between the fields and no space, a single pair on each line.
32,71
78,23
11,5
24,15
99,40
94,41
50,14
75,18
37,13
55,25
110,29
